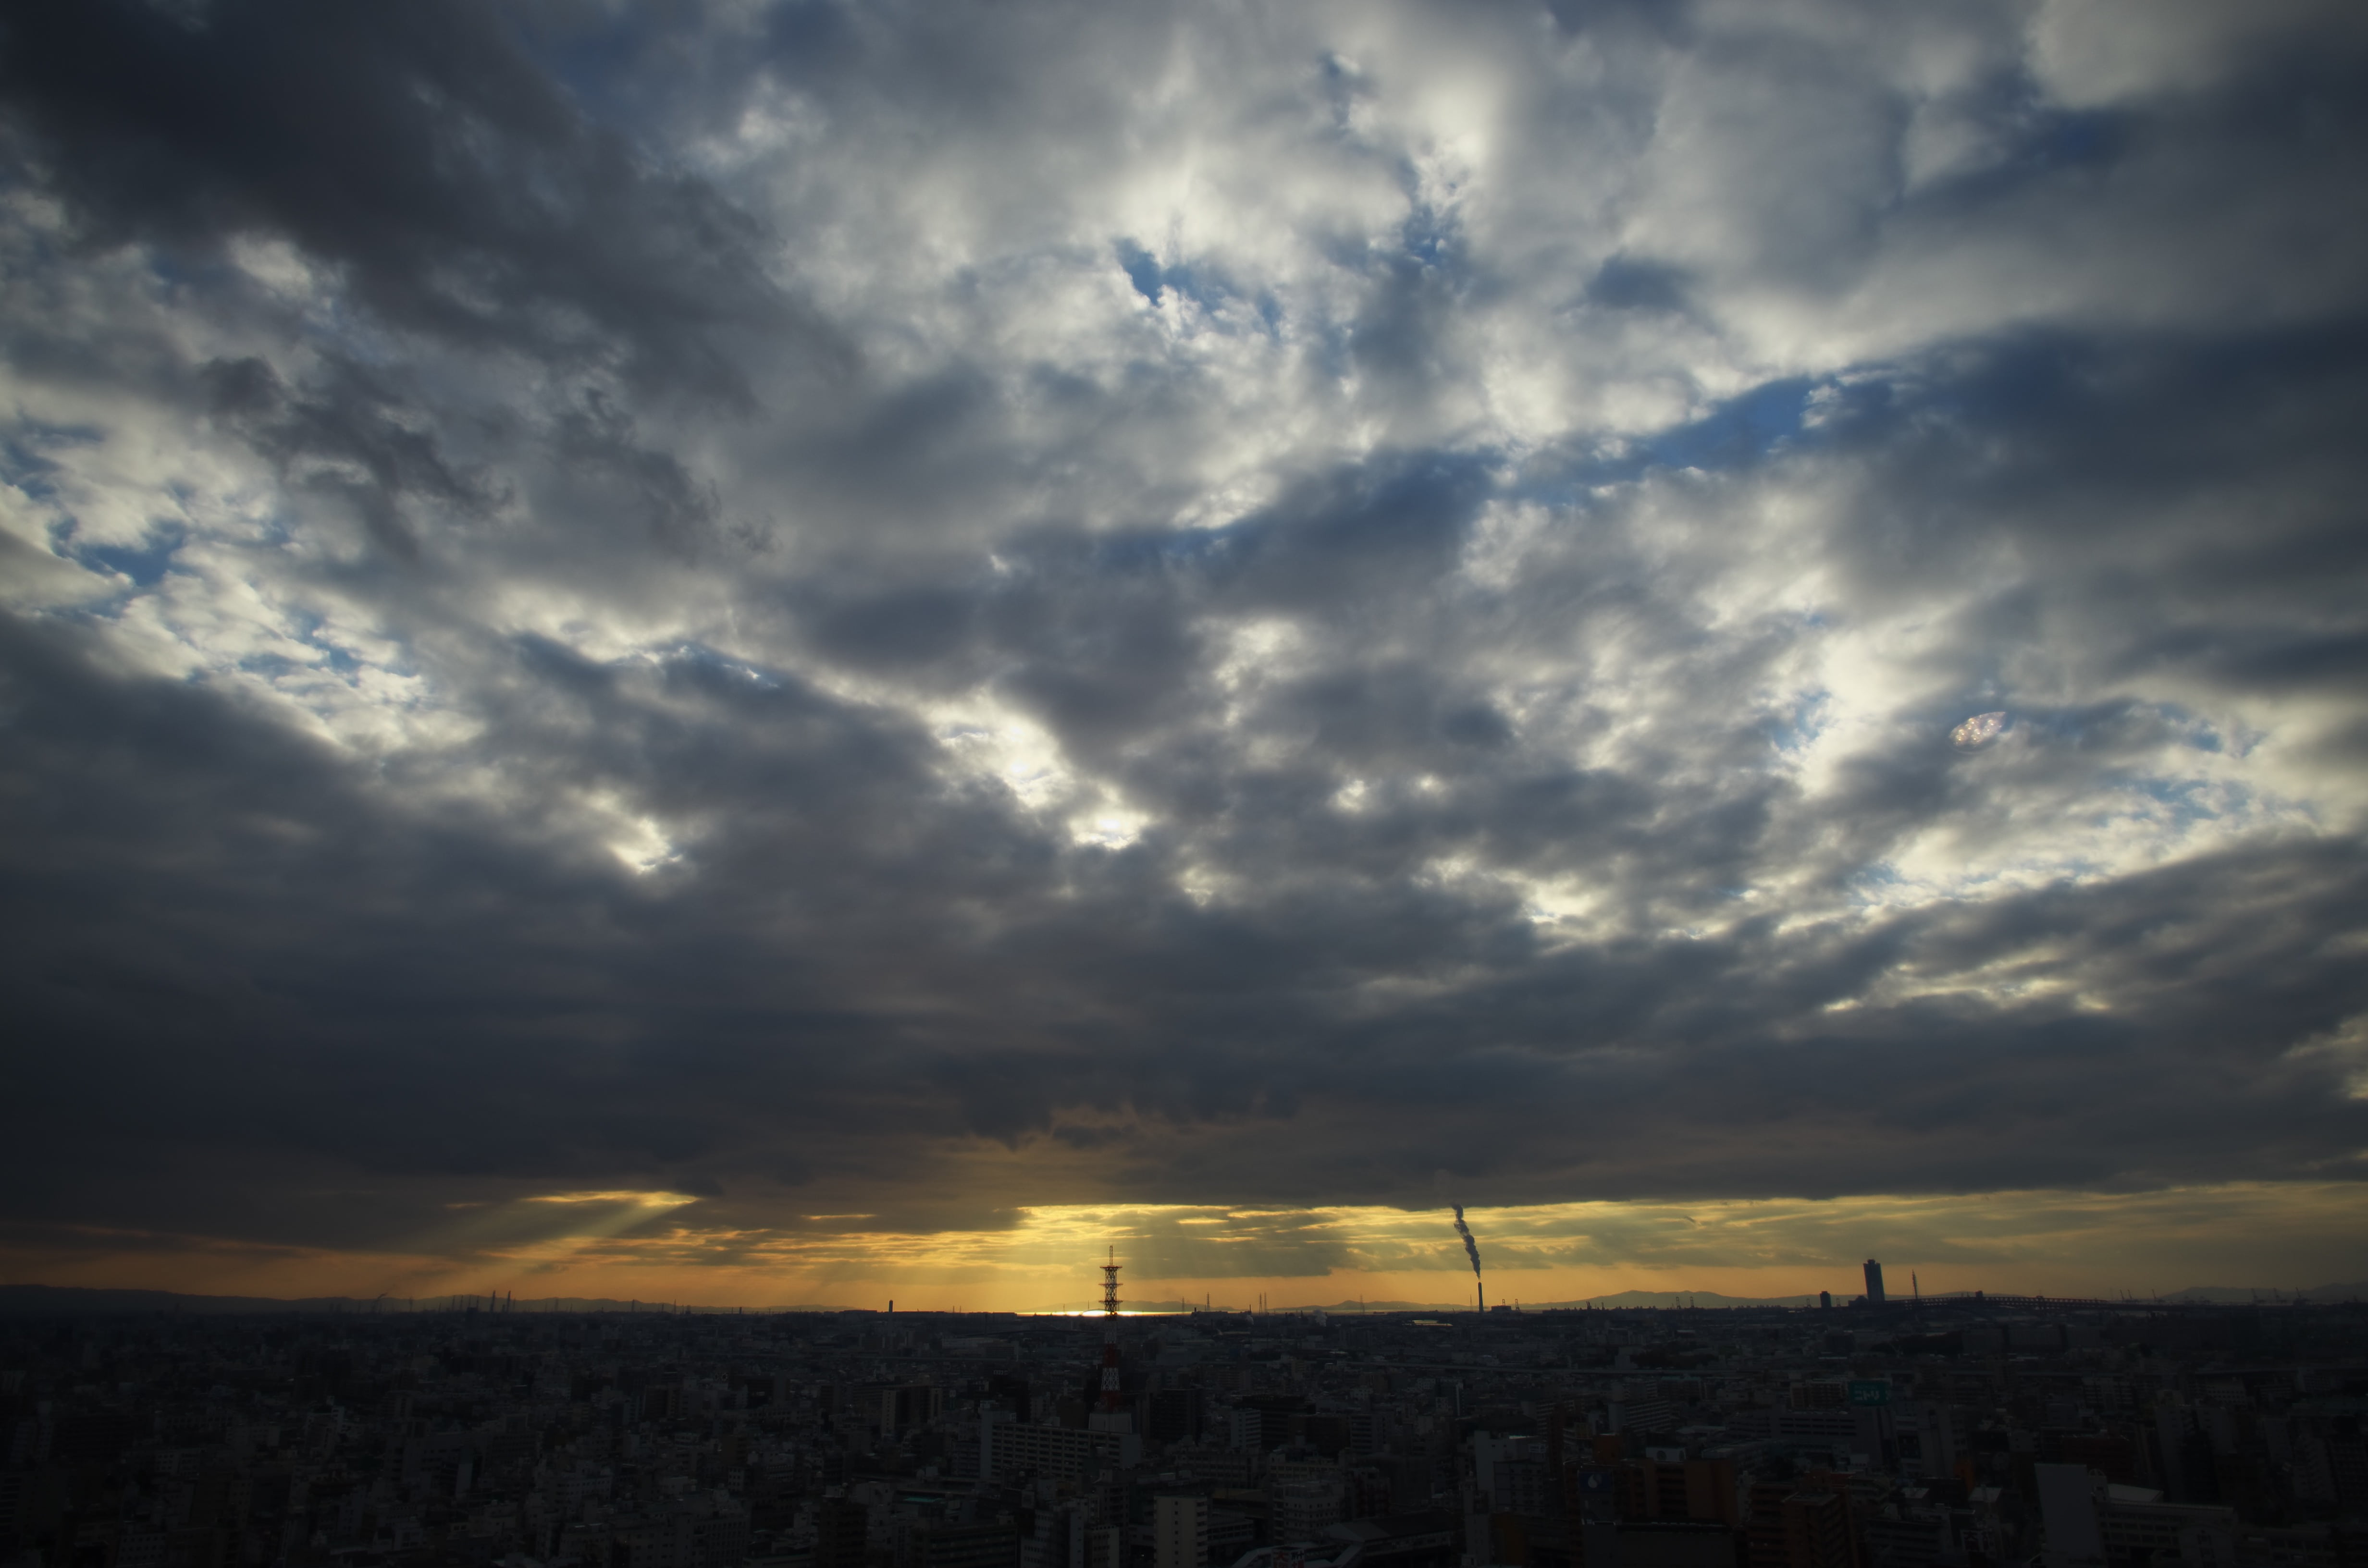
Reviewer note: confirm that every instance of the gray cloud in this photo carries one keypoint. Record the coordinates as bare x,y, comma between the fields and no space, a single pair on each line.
421,151
758,605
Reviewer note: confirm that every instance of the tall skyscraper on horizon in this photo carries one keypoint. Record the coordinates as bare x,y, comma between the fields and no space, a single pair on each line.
1874,1283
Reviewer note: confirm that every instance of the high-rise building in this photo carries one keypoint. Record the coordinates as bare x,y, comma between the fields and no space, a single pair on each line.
1172,1414
1303,1506
1797,1529
1874,1283
1179,1531
1060,1454
841,1531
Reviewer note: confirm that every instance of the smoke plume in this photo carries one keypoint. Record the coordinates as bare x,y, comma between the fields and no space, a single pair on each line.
1470,1246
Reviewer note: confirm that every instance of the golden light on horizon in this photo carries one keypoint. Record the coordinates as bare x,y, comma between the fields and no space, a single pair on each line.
653,1246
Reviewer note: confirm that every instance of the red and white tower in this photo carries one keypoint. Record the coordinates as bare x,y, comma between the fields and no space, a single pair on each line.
1111,1403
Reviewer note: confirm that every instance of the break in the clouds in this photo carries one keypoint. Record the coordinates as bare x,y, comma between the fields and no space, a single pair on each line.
926,609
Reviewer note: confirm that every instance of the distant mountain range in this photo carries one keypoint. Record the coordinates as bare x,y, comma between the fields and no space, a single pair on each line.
57,1301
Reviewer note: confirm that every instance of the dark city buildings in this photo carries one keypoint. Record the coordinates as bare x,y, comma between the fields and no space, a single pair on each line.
1949,1433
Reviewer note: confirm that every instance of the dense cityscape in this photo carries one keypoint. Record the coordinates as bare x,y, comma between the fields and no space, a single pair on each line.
1855,1434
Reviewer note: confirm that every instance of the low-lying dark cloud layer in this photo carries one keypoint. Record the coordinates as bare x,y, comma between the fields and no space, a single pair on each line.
758,602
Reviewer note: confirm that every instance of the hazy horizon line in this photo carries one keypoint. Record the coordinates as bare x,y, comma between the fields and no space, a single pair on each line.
497,1303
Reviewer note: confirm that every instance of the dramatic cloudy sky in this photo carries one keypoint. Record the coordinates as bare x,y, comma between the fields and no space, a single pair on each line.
802,651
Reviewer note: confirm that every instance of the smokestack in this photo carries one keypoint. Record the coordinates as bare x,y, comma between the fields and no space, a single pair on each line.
1472,1251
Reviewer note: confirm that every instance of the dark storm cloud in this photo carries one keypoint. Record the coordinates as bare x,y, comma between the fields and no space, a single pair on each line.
416,148
343,442
439,995
1172,707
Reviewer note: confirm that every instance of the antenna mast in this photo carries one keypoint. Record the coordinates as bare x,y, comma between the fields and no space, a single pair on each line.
1111,1403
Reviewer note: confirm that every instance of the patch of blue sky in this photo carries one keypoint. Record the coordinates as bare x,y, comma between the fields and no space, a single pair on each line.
699,655
1862,884
2079,869
2185,798
1184,547
1210,293
1153,281
24,462
1739,433
2191,731
146,563
1142,269
2196,732
273,667
277,526
312,630
1880,886
1431,237
1270,312
1427,494
1796,728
